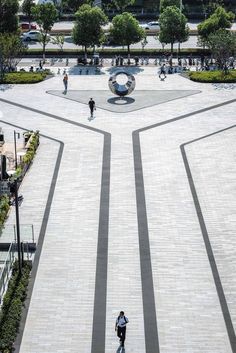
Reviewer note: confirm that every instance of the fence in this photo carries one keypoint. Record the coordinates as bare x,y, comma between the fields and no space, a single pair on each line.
6,263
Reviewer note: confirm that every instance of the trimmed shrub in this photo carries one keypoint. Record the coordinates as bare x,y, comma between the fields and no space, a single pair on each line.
24,77
213,76
4,207
11,310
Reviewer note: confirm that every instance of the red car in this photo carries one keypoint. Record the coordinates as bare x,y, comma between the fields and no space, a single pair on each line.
26,27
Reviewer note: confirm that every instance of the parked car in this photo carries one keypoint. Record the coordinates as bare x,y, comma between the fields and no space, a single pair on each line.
151,26
32,36
25,26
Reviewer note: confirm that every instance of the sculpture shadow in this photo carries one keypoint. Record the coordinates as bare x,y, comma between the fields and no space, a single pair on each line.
121,100
120,350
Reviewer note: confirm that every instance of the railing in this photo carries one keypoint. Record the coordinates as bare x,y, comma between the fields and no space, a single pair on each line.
6,263
8,233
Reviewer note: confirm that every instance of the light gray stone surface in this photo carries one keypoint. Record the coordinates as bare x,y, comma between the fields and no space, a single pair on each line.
188,313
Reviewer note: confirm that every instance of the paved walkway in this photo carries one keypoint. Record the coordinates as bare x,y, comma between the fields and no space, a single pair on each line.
139,216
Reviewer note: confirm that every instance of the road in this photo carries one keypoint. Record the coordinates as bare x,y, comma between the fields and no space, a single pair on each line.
152,44
69,25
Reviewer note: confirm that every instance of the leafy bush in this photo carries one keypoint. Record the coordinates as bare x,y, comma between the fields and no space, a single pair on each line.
14,298
213,76
24,77
34,142
4,207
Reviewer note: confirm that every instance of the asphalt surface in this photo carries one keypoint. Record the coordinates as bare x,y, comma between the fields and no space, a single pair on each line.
152,44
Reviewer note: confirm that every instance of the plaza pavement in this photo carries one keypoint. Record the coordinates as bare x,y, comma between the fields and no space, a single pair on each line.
139,216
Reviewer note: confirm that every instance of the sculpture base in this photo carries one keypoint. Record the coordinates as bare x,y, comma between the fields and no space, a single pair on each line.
137,100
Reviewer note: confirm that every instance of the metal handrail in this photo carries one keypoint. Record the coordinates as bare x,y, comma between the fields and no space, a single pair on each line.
5,271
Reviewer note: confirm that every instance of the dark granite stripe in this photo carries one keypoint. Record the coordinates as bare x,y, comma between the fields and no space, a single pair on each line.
209,250
99,316
149,307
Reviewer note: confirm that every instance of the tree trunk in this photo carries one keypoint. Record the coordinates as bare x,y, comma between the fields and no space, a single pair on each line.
85,53
178,50
128,46
44,47
171,48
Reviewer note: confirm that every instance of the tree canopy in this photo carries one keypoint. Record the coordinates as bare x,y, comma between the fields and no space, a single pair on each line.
8,16
27,9
122,4
222,44
220,19
45,15
74,5
173,26
11,48
88,30
166,3
126,30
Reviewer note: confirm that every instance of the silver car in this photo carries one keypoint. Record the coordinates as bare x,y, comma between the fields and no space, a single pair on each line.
32,36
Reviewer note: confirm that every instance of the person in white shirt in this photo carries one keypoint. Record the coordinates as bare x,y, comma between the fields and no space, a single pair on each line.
120,327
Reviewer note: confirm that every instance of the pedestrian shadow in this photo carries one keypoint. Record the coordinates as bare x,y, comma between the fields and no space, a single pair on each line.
120,350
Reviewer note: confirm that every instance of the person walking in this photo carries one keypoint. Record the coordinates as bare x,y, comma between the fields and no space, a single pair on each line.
65,82
162,74
120,327
92,107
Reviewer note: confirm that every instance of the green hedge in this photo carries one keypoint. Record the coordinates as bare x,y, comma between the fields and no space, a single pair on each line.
29,156
213,76
108,52
24,77
11,310
4,207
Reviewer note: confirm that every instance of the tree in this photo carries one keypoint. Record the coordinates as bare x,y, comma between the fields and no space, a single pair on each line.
45,15
144,42
88,30
220,19
74,5
59,40
173,26
27,8
11,50
8,16
165,3
222,44
122,4
126,30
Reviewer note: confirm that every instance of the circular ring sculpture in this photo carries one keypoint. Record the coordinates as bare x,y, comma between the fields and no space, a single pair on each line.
121,90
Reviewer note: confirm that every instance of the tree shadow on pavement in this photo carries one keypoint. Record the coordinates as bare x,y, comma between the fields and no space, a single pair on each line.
129,69
5,87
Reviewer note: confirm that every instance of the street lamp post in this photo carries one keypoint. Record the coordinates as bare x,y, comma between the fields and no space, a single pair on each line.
17,134
17,226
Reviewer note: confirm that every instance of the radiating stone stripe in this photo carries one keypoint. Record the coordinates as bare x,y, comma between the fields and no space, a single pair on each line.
149,307
209,250
99,317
